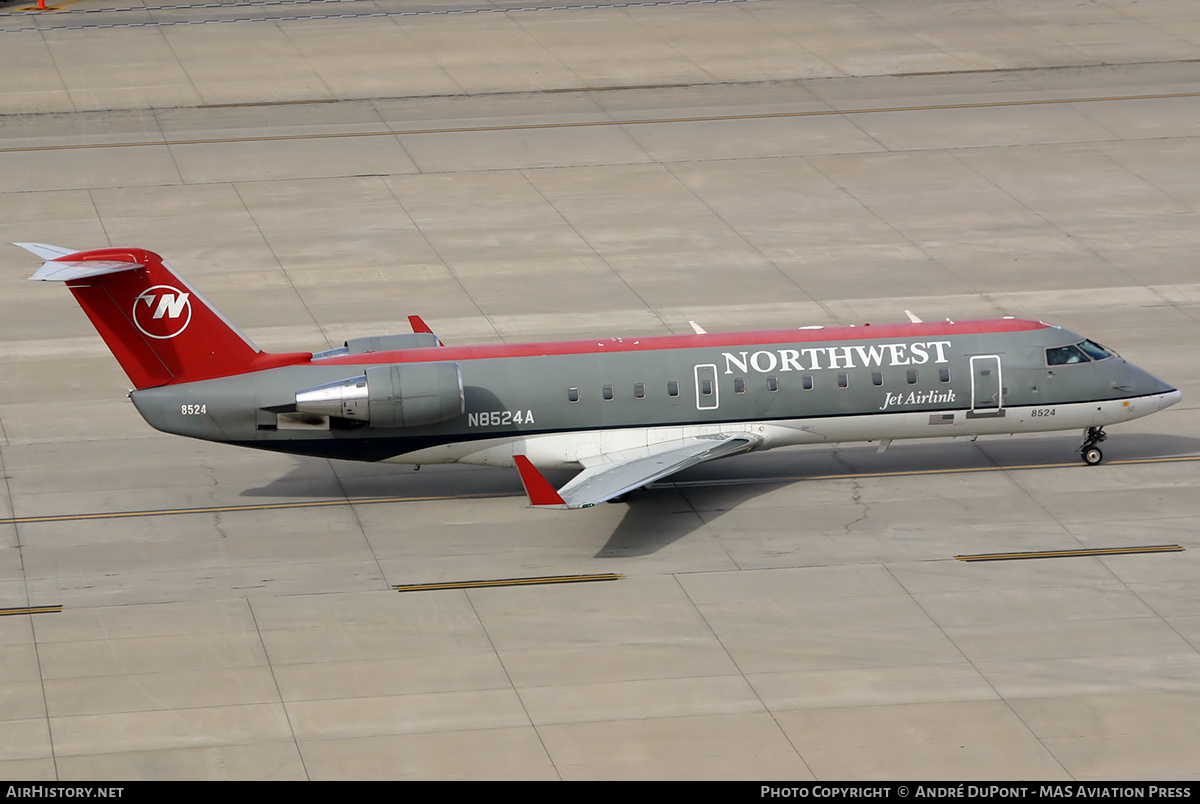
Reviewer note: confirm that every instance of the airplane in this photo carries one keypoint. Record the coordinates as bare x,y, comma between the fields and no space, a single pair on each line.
626,411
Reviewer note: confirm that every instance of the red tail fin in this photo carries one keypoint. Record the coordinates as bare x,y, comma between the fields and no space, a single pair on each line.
158,327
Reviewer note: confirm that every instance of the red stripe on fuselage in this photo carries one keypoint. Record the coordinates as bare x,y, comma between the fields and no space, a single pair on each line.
714,340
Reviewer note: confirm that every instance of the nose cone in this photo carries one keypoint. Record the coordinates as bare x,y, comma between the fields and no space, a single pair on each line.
1169,398
1158,386
1144,383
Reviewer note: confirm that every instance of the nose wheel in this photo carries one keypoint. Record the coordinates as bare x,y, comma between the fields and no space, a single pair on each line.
1091,453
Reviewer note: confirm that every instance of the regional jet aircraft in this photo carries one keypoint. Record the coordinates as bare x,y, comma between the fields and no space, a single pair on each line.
626,411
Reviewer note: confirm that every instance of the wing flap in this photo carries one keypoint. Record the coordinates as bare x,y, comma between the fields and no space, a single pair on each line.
619,473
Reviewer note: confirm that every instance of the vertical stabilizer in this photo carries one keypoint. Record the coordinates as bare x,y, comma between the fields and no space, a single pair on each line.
158,327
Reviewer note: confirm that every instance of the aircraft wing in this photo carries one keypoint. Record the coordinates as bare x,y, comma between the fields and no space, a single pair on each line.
613,474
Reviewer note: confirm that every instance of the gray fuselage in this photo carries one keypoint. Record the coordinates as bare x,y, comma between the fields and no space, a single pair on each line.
861,383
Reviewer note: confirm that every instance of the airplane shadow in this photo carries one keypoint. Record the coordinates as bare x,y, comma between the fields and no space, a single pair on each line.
665,512
657,517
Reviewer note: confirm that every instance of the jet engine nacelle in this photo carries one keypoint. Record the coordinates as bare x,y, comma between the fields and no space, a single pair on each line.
396,395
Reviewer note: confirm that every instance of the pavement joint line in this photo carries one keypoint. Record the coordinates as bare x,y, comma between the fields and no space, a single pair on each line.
598,123
433,12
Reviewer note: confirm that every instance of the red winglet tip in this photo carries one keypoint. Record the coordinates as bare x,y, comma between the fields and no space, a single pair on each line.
418,325
538,489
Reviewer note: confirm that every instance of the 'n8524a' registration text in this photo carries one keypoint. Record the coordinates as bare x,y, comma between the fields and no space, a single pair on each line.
499,418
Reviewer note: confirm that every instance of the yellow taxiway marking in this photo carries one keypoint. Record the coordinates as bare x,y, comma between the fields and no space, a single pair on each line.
30,610
283,506
425,587
597,123
1097,551
49,7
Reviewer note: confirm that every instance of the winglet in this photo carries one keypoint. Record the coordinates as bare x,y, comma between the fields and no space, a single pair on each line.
538,488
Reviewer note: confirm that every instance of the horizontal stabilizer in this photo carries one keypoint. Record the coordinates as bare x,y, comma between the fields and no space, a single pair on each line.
619,473
68,271
47,251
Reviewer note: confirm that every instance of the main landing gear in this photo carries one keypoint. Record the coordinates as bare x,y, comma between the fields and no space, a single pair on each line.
1091,453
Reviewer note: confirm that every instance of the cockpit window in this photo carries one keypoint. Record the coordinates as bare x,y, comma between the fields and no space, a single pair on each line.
1062,355
1094,350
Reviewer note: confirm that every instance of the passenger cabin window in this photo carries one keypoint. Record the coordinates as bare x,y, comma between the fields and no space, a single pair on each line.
843,381
877,378
706,387
739,385
639,390
944,374
772,384
572,394
672,388
608,392
808,382
911,376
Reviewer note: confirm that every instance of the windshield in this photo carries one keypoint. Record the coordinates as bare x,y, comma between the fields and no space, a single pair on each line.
1084,352
1094,350
1062,355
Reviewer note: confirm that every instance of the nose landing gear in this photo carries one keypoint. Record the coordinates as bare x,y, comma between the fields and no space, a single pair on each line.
1090,453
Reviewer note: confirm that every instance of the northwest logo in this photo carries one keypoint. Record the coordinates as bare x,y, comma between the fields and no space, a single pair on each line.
818,358
162,312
